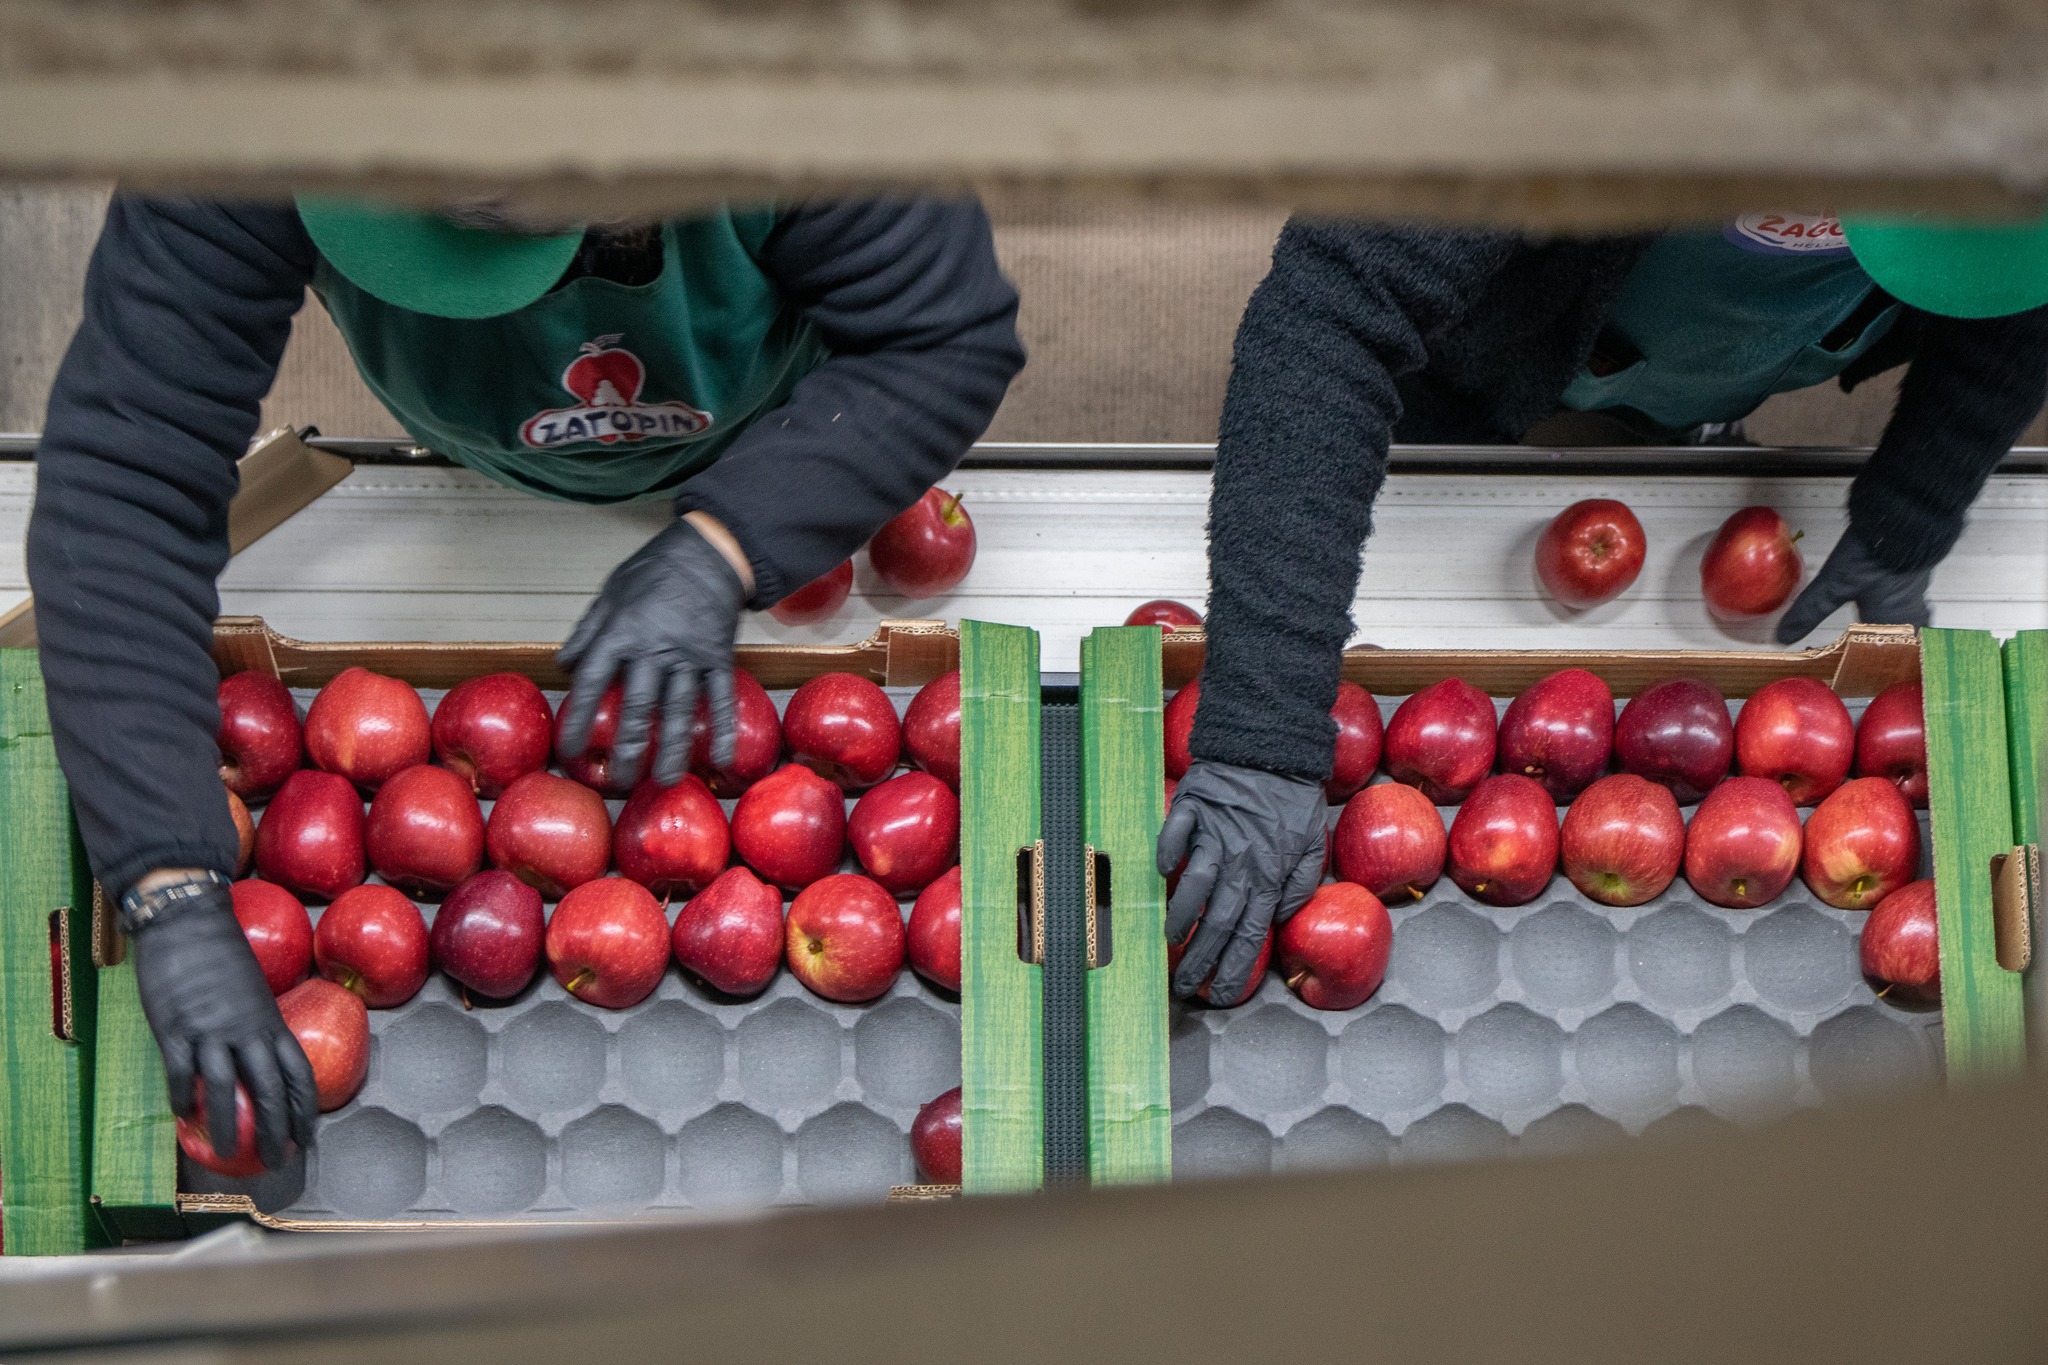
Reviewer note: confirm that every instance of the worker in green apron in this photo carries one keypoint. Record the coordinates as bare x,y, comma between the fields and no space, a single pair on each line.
790,379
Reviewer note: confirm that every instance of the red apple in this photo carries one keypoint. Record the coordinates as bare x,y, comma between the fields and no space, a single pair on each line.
1796,732
260,740
245,834
554,833
791,826
494,730
1560,731
845,938
906,832
194,1143
279,931
333,1028
1623,840
311,838
757,743
1677,733
1442,740
1901,944
1503,843
367,727
672,840
1359,739
1862,844
935,1138
373,941
1165,613
596,766
816,600
425,831
934,933
1389,840
1333,953
730,933
608,943
1179,726
1590,552
1176,951
925,550
1752,566
931,728
487,934
1891,741
843,727
1743,846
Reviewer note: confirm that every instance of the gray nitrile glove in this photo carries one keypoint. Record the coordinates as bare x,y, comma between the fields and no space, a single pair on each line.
666,619
1253,841
214,1017
1882,596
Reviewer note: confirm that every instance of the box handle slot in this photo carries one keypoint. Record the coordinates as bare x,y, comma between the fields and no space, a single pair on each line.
1100,898
1031,903
2015,892
62,1021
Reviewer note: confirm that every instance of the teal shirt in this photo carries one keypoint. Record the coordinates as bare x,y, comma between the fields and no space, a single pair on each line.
597,391
1723,319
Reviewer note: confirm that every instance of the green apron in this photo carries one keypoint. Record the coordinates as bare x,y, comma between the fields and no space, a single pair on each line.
1723,319
597,391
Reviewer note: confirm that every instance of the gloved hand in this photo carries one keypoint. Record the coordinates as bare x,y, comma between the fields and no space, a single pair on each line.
666,618
213,1015
1882,596
1253,841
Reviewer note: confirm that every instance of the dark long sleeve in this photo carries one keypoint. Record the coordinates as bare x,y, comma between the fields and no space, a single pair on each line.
922,331
187,310
1972,388
1301,454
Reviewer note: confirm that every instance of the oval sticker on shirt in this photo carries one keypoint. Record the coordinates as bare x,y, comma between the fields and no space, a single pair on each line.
1787,234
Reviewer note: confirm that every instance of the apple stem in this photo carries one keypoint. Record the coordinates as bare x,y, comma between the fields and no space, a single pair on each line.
352,980
466,1006
577,982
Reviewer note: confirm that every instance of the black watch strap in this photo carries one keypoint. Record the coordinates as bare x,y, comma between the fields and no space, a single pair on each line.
140,909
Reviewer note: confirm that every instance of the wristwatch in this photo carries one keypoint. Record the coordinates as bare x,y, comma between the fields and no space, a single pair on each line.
140,909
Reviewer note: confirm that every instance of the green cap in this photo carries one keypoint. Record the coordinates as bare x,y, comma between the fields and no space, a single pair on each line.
429,263
1959,270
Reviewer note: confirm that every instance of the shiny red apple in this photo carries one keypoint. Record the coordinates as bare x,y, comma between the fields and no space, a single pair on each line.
925,550
931,728
1442,740
597,766
245,834
1503,843
757,740
311,837
333,1028
791,826
1752,566
730,933
672,840
1560,731
1891,741
1176,951
817,600
1677,733
845,939
1391,841
279,930
1862,844
425,831
1797,733
1623,840
1742,848
1901,944
1165,613
493,731
197,1147
843,727
367,727
1590,552
554,833
1179,726
373,941
1360,737
906,832
934,932
487,934
607,943
936,1138
260,739
1333,952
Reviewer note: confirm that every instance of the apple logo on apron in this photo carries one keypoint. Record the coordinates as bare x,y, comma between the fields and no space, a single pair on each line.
606,380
